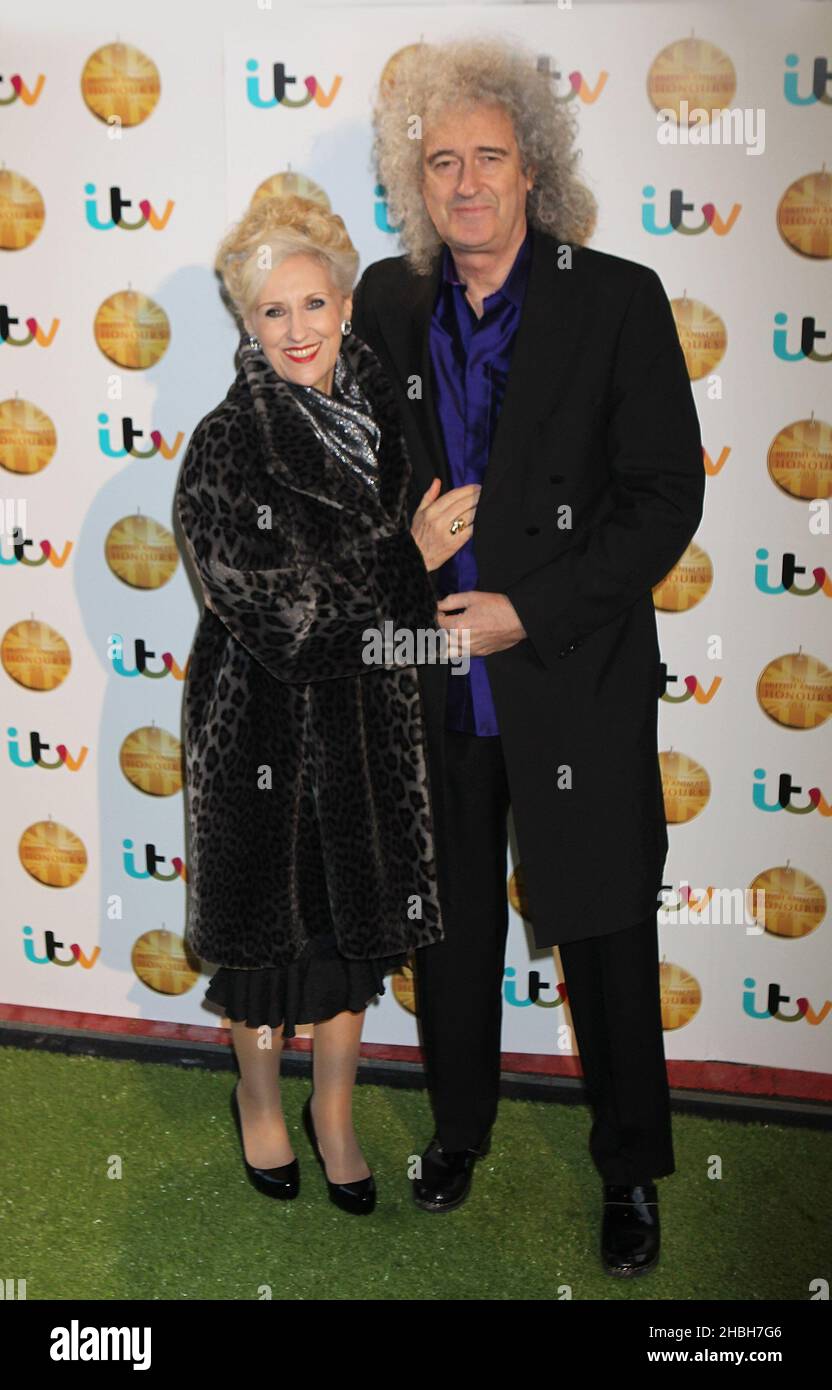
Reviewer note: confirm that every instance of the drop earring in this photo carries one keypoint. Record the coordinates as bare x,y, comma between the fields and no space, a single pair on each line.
252,343
346,326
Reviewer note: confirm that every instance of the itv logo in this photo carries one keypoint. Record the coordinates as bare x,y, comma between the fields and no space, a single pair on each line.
281,81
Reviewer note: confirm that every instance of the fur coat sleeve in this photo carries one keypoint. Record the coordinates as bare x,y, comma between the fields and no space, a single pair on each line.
302,615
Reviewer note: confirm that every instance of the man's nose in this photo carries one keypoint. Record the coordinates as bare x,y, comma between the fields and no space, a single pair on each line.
469,180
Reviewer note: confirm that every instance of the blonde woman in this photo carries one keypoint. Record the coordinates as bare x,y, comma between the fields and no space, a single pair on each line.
311,860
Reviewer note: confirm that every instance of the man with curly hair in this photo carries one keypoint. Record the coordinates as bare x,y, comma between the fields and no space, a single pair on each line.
551,376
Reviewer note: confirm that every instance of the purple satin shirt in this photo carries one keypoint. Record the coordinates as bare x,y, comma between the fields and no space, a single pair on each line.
471,359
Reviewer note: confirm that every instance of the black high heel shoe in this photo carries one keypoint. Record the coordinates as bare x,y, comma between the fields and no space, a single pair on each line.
272,1182
357,1197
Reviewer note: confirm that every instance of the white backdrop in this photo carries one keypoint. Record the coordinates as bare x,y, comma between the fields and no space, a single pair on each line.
205,148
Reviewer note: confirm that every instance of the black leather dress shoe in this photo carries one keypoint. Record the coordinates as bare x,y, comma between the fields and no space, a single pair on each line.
282,1182
630,1229
445,1179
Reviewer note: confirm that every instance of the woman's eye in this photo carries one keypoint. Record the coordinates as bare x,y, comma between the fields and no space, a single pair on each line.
274,310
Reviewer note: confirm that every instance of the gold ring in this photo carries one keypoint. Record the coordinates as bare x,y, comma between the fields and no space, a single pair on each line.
457,524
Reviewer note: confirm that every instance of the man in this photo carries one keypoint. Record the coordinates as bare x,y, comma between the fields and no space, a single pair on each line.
552,375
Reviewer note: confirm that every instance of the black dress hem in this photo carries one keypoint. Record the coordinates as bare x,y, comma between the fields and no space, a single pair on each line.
318,985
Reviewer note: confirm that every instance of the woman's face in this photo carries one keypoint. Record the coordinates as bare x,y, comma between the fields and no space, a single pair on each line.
297,318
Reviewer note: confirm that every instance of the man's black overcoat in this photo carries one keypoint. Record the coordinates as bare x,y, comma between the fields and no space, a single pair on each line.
598,428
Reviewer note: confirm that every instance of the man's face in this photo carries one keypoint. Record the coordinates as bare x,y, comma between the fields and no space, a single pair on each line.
473,186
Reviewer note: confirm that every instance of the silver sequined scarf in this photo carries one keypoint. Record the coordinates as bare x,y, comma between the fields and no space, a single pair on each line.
343,421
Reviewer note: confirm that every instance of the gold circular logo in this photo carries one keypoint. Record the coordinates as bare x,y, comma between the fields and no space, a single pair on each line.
687,583
163,962
404,988
35,655
388,76
686,786
800,459
132,330
151,759
52,853
702,335
804,215
22,212
681,995
795,691
793,905
27,437
694,71
120,84
287,185
517,893
141,552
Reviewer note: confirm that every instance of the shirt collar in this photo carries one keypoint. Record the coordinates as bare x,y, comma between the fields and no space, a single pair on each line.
512,286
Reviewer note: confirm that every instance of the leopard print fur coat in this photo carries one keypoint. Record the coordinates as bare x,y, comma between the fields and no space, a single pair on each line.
307,790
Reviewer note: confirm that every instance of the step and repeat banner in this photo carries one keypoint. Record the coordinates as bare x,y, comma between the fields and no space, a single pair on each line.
132,136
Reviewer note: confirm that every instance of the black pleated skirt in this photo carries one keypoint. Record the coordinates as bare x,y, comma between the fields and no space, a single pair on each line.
318,985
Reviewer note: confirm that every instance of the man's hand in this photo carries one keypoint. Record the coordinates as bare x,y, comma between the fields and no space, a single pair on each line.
491,620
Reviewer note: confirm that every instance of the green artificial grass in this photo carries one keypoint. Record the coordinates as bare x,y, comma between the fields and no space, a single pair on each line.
183,1223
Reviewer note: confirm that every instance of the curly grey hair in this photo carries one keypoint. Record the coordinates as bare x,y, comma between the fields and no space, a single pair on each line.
427,80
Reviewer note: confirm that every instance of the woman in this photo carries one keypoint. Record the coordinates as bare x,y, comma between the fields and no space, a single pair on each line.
311,861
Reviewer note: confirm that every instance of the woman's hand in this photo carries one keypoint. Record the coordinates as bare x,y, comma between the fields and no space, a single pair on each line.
431,529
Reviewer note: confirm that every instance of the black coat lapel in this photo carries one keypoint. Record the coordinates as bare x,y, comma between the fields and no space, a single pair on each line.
405,322
542,359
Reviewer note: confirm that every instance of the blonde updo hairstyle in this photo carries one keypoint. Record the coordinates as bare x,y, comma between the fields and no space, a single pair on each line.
286,226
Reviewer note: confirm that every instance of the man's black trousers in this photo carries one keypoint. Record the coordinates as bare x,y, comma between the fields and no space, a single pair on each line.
612,981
